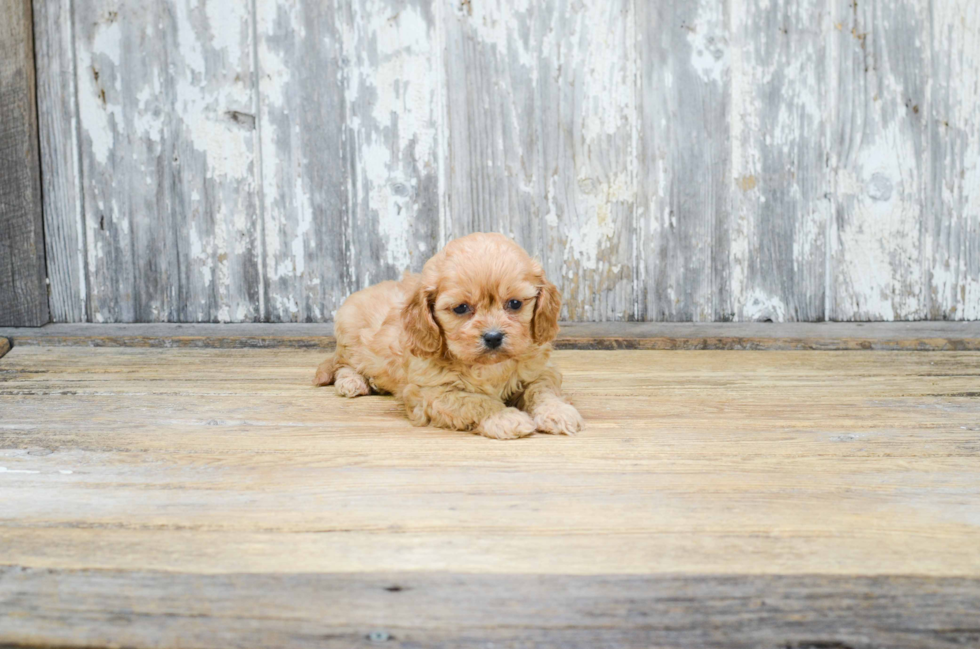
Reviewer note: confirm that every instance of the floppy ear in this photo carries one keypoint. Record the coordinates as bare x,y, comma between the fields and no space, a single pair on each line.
424,335
544,326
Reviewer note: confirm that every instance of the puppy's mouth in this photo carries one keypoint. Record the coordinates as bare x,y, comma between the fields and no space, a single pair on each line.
489,356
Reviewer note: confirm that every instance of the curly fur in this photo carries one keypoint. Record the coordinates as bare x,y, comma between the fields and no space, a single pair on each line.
404,338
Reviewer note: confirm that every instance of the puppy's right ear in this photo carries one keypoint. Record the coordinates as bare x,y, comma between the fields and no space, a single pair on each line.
424,335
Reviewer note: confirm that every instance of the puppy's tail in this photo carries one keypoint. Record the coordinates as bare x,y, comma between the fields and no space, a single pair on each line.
325,372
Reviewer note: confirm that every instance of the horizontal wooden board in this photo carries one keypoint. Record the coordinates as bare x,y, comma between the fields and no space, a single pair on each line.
150,609
907,336
695,462
212,498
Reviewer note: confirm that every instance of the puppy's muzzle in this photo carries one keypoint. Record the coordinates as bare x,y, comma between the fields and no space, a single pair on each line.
493,339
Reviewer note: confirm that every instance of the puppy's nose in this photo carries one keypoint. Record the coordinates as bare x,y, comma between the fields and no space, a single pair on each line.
493,339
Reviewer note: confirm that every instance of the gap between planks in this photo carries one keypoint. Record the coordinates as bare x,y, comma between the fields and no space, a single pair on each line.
829,336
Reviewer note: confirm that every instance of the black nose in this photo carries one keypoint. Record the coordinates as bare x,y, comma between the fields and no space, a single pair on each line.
493,339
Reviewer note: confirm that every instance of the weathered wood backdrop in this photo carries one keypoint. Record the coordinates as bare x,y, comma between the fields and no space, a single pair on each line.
220,160
23,294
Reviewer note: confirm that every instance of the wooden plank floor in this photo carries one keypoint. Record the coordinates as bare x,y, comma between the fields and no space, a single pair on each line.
211,498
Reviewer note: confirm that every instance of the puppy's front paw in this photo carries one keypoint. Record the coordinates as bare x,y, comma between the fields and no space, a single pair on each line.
509,423
349,383
558,418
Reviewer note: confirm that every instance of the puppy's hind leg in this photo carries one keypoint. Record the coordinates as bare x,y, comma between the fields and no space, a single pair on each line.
325,372
349,383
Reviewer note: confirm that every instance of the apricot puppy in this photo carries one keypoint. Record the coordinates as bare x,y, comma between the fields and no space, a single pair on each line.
466,345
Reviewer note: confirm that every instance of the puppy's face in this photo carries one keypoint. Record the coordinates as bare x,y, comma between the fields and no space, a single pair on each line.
482,300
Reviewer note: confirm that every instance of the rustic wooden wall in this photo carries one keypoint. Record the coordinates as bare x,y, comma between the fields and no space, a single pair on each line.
217,160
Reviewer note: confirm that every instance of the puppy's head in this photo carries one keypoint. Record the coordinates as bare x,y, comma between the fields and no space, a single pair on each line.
481,300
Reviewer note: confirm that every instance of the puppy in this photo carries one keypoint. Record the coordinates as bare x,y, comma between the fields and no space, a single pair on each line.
465,345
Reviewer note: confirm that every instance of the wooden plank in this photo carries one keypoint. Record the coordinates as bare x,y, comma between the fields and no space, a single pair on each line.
897,336
167,125
684,161
951,244
64,223
781,183
305,193
541,125
23,293
4,346
880,69
150,609
227,461
218,336
393,93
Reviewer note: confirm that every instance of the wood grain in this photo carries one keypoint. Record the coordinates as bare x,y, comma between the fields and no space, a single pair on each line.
541,140
951,227
223,461
23,292
881,159
306,228
144,609
165,101
393,96
198,498
780,182
64,222
684,160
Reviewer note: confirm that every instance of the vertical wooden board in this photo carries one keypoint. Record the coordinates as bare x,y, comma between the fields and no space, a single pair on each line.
64,229
684,75
780,181
541,109
952,220
305,193
881,159
166,119
393,97
23,293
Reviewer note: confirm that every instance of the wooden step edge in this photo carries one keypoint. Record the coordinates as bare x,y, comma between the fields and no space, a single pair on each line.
833,336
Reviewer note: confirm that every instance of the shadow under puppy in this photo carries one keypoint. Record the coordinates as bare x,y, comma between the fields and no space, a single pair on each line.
466,345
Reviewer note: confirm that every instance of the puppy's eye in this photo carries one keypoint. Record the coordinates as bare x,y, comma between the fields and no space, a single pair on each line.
514,305
461,309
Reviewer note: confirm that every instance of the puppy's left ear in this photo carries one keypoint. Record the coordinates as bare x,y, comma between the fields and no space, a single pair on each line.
544,325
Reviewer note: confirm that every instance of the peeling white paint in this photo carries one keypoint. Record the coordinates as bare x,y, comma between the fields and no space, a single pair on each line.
709,42
608,89
496,23
879,249
555,115
599,231
97,108
394,212
226,23
761,307
392,104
